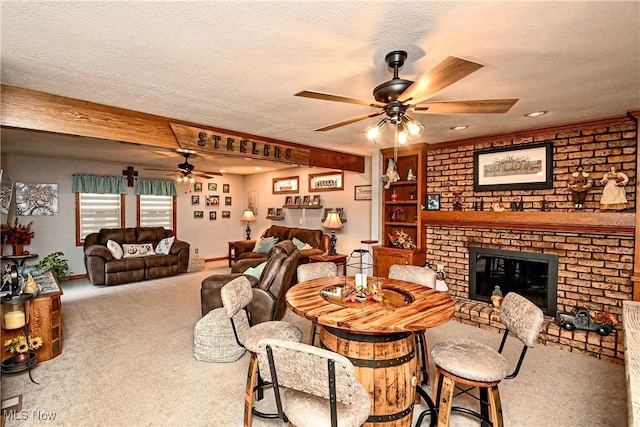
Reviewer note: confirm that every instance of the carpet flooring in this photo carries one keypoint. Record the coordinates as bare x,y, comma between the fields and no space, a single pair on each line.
128,360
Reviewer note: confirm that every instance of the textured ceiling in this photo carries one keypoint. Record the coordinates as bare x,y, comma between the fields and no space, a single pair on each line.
236,65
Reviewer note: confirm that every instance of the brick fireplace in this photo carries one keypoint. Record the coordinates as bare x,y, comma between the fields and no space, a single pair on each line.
595,250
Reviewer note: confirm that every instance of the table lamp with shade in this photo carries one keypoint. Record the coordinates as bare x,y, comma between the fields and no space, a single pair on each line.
248,217
333,222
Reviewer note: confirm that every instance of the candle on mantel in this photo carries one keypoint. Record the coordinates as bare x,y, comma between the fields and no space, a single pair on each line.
14,320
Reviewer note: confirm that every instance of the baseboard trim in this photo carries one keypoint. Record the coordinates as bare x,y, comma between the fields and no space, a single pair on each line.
216,259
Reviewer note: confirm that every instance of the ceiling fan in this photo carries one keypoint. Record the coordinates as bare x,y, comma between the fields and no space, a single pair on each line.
397,96
187,169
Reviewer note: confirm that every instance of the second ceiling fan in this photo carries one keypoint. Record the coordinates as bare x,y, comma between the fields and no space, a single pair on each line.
187,169
397,96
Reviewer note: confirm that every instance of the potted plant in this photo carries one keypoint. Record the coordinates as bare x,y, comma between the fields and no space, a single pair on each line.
58,266
17,235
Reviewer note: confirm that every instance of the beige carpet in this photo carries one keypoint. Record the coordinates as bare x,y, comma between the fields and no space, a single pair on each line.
128,361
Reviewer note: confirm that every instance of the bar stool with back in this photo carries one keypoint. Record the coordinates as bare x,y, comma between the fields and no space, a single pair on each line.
462,362
236,296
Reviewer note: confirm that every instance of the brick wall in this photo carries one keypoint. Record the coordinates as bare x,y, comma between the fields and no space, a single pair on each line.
594,270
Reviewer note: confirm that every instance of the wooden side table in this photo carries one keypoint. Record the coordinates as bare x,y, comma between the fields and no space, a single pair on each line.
338,259
45,312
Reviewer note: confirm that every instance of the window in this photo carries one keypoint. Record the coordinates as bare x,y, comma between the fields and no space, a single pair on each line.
156,211
95,211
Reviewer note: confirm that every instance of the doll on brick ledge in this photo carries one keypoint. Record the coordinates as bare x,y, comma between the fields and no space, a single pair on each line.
579,183
613,197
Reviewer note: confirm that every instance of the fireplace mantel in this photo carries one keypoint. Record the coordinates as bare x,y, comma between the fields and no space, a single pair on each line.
609,223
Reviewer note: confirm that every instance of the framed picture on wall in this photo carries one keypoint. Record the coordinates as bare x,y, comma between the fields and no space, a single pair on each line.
225,188
227,201
226,214
213,215
197,186
198,214
287,184
362,192
212,186
195,200
433,202
212,200
520,167
328,181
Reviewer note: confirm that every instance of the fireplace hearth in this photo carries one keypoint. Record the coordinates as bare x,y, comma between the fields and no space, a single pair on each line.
530,274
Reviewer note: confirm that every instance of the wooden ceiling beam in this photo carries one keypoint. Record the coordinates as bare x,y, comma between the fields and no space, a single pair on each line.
32,110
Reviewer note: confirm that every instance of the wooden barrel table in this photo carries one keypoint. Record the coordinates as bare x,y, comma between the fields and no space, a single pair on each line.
376,336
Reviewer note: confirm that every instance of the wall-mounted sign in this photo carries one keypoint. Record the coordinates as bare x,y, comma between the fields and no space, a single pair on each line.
207,141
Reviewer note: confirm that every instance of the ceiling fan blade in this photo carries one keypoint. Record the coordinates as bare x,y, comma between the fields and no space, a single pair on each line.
207,175
480,106
339,98
349,121
156,169
444,74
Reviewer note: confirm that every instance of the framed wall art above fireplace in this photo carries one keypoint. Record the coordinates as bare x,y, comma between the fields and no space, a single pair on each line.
522,167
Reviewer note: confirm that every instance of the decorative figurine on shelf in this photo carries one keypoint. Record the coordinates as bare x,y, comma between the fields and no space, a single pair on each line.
496,298
614,197
394,196
412,195
579,183
498,207
410,175
457,201
440,285
391,175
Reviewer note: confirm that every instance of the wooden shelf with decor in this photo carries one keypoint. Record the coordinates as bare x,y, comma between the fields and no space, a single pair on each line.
401,208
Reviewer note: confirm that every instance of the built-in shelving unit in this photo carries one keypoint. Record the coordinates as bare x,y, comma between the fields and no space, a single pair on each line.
401,212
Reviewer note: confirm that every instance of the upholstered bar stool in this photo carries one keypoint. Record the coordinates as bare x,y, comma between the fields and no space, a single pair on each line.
467,363
236,295
312,271
314,387
423,276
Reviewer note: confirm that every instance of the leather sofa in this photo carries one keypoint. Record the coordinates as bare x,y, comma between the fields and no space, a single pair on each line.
104,269
269,290
318,241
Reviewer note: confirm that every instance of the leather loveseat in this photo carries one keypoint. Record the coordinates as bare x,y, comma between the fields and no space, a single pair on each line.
104,269
318,241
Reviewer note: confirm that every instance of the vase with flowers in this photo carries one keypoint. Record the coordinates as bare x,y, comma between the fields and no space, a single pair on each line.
17,235
20,347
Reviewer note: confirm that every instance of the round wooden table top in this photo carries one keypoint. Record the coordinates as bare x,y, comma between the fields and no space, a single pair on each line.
405,307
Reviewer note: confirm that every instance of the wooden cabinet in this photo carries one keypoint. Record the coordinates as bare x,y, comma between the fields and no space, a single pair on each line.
385,257
401,208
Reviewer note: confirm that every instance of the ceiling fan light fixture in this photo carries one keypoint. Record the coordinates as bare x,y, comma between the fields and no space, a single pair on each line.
402,135
374,132
414,127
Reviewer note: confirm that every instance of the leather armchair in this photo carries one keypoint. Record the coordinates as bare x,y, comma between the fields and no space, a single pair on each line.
268,292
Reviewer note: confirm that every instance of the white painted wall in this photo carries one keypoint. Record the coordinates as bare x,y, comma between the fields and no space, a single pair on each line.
57,233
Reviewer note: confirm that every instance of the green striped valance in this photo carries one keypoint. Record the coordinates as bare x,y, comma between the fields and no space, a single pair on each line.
99,184
155,187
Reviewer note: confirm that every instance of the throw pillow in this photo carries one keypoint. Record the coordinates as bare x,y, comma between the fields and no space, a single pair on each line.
299,243
137,249
306,246
164,246
263,245
115,249
255,271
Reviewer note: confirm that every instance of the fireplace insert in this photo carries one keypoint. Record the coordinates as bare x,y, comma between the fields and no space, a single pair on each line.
530,274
